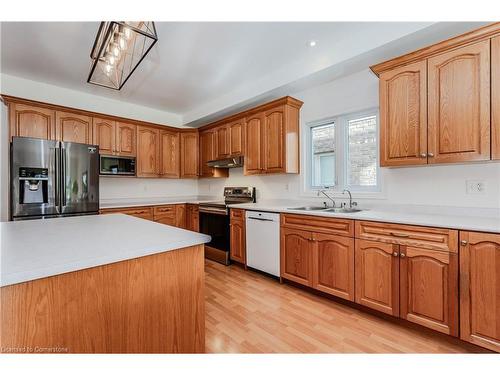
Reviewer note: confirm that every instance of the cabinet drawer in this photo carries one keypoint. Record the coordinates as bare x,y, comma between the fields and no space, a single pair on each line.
320,224
164,211
409,235
237,213
141,212
166,220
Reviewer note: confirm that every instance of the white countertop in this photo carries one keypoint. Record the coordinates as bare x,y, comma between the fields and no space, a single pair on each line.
441,217
139,202
35,249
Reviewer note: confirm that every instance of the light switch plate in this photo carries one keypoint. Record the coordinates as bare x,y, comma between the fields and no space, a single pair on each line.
475,187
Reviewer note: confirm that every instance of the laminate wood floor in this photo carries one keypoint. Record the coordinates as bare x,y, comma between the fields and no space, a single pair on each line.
247,312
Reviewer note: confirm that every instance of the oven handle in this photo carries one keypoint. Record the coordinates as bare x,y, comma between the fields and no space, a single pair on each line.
216,211
259,218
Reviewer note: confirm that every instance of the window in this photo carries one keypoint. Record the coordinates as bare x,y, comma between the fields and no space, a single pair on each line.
343,153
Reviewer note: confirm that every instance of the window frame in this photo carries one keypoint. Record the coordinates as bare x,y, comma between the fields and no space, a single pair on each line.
341,157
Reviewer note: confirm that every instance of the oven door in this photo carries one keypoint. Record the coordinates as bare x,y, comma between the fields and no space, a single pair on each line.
215,225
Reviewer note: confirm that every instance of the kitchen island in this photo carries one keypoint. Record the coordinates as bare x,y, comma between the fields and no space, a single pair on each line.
101,284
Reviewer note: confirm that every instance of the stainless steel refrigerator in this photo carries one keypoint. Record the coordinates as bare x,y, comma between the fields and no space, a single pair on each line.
52,178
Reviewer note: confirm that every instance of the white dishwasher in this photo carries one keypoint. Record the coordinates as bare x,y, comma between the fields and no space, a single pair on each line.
263,241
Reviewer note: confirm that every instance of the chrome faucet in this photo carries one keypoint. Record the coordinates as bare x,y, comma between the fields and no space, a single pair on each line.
326,195
351,203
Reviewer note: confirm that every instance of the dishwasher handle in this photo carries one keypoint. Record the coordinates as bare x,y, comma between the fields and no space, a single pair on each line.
259,218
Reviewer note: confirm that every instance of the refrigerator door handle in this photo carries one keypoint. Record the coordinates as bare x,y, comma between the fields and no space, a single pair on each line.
57,185
63,176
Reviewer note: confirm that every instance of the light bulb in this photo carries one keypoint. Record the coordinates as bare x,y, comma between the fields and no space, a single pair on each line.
108,69
116,50
121,42
127,32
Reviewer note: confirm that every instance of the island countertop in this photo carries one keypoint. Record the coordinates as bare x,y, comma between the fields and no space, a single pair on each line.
35,249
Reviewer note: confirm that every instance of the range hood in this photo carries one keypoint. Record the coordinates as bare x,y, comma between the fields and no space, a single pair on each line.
227,163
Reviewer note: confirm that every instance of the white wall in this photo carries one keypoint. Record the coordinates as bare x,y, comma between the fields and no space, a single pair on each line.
430,185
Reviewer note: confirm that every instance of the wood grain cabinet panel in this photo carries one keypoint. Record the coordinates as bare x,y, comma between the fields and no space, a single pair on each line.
72,127
193,217
180,215
125,139
273,140
319,224
31,121
459,104
377,276
495,98
140,212
208,153
297,256
403,115
236,137
148,151
253,156
104,134
429,288
480,289
189,155
333,271
222,136
238,236
170,165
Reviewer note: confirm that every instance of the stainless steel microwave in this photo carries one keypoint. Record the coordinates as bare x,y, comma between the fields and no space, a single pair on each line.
111,165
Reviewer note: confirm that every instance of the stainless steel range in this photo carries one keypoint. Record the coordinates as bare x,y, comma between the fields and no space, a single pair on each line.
214,221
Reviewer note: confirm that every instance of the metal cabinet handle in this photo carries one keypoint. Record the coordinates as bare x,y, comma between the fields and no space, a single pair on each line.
402,255
430,154
463,243
402,235
395,254
423,155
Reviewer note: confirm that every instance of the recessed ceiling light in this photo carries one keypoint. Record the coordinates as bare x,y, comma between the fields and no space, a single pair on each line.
312,43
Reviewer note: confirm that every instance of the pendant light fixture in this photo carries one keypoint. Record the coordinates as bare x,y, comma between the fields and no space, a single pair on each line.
119,47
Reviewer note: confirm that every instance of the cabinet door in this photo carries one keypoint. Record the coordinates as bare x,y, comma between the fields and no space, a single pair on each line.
192,217
495,98
104,135
297,256
72,127
459,104
148,151
480,289
238,241
253,154
206,153
180,215
125,139
236,137
403,115
273,140
377,276
31,121
170,154
334,265
189,155
222,142
429,288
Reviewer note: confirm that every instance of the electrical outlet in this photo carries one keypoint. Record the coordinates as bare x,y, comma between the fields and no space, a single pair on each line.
475,187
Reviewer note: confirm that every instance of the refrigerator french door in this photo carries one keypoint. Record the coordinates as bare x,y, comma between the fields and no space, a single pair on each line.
51,178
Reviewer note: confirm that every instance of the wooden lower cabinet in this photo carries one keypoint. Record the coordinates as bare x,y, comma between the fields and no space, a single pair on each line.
237,236
429,288
377,276
180,215
297,256
140,212
480,289
192,217
333,265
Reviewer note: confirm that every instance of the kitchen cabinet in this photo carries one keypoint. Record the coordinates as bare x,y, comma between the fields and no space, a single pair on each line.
125,139
170,166
180,215
273,140
31,121
480,289
73,127
495,98
189,154
222,136
140,212
192,217
208,153
148,151
403,115
237,236
377,276
297,255
459,104
253,157
236,137
104,134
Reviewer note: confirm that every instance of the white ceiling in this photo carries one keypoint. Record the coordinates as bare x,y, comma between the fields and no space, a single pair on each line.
204,70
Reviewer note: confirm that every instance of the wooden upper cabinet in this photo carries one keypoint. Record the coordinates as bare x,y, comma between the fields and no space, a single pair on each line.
253,155
297,256
104,134
495,98
429,288
125,139
189,154
222,137
73,127
403,115
273,140
480,289
31,121
236,137
206,152
333,266
170,154
459,104
148,151
377,276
